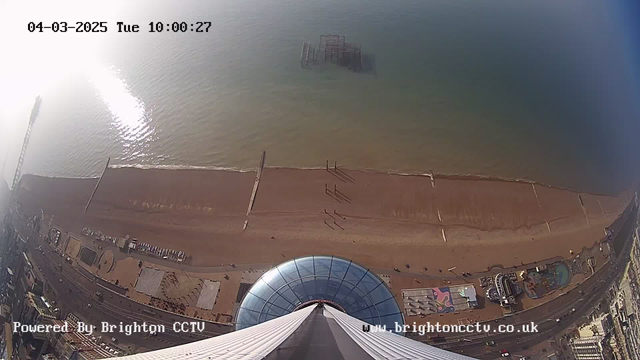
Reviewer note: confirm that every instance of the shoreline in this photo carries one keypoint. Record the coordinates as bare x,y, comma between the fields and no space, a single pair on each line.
442,176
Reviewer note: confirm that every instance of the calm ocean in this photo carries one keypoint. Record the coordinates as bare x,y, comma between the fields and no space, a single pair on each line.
543,90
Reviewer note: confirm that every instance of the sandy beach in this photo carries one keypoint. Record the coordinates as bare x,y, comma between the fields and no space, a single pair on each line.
376,219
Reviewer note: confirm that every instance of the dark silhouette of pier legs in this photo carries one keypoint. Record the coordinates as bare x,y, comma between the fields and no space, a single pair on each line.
325,222
326,212
339,174
341,194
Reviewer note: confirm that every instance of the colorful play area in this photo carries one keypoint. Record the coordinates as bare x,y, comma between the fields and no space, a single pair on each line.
555,276
439,300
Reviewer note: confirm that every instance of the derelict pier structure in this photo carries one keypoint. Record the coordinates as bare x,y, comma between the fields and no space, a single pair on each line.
334,49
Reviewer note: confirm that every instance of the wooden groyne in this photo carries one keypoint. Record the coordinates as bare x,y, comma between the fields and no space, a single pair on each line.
97,184
256,183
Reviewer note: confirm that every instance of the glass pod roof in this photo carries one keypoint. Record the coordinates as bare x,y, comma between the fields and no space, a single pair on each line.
345,284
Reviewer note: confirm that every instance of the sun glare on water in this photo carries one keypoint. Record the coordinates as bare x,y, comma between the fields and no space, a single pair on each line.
44,63
127,111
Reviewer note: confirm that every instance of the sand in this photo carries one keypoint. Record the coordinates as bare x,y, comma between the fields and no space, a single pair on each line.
73,248
384,220
125,271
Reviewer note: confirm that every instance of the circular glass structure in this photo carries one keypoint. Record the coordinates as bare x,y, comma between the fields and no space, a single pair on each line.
345,285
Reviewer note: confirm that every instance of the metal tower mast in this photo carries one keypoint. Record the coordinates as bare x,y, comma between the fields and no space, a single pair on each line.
34,114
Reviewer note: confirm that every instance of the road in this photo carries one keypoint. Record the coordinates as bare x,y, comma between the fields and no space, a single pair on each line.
77,290
570,308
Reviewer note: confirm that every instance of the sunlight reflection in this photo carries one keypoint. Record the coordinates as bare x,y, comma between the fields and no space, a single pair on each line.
129,113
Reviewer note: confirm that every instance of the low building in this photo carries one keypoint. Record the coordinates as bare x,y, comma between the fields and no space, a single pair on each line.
5,313
505,290
587,348
599,326
123,243
75,345
37,311
468,292
33,282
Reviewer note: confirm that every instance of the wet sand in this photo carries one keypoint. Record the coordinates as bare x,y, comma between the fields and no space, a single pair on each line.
384,220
